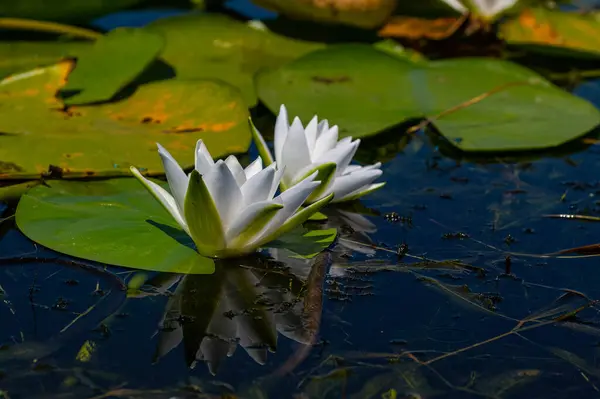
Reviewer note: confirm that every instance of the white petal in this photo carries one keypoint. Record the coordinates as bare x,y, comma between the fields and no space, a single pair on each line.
204,160
291,199
253,168
162,195
342,154
295,154
311,134
347,184
276,180
325,142
322,127
281,132
224,191
236,169
245,217
356,168
457,5
178,180
258,186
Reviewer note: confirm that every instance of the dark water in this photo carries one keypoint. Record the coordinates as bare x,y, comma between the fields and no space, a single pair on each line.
441,321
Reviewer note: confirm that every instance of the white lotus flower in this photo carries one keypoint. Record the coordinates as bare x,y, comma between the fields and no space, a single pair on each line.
485,8
229,211
304,151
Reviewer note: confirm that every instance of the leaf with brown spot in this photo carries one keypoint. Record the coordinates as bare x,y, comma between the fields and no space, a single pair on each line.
104,140
555,32
421,28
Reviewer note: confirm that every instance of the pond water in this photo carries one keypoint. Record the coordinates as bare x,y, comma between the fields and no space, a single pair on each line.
437,287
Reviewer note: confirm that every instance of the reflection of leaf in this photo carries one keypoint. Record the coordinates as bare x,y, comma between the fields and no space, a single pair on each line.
111,63
567,304
499,385
114,221
106,139
475,103
224,49
555,32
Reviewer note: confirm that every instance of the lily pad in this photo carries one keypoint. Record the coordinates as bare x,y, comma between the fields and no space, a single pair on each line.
118,222
555,32
519,109
359,88
113,61
104,140
215,46
478,104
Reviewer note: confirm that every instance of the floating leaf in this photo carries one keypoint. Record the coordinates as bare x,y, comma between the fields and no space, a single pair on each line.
114,221
117,222
492,105
216,46
106,139
555,32
113,61
478,104
361,89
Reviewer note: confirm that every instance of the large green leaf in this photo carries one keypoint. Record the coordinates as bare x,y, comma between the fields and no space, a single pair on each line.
357,87
216,46
104,140
114,221
478,104
571,34
118,222
521,110
113,61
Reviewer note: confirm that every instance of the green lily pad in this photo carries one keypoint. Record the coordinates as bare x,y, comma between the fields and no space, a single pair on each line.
21,56
523,111
555,32
113,61
118,222
357,87
215,46
104,140
114,221
478,104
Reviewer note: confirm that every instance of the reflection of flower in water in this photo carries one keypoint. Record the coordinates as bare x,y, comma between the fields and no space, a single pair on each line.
238,305
353,230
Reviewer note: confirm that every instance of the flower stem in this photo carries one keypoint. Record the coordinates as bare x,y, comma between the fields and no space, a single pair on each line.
45,26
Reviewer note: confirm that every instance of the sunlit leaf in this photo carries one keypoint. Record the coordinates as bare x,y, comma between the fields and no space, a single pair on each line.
21,56
217,47
113,61
477,104
104,140
115,222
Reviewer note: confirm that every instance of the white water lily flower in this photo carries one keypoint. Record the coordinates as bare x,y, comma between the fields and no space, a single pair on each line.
303,151
229,211
484,8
